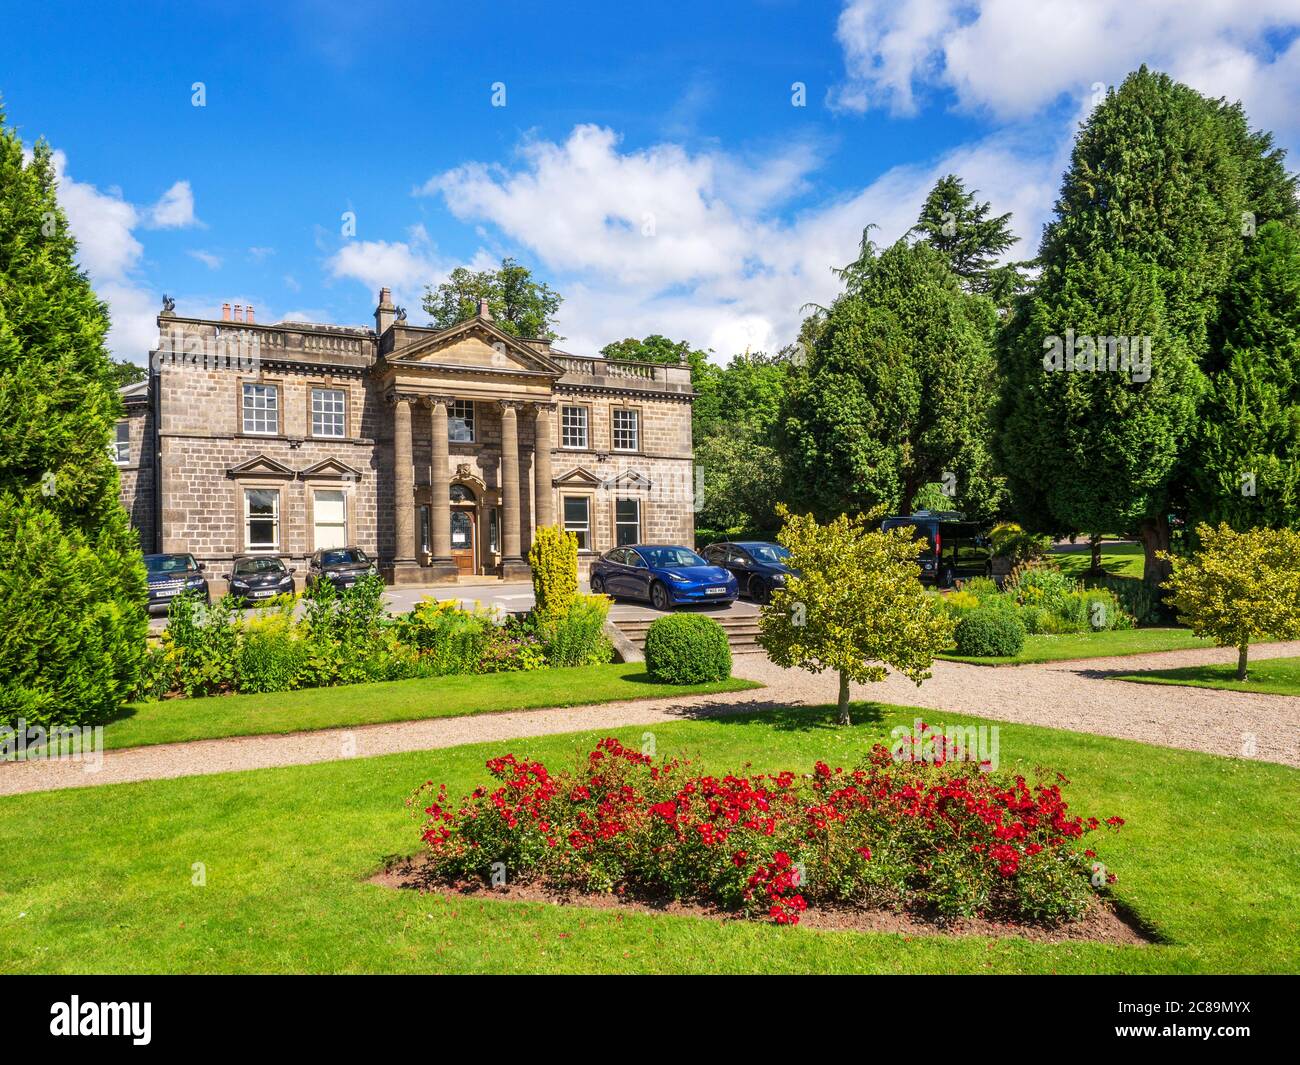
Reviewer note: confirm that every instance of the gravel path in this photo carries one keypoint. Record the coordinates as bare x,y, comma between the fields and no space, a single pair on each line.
1068,695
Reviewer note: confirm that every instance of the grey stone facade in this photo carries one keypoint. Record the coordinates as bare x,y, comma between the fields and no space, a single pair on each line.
285,438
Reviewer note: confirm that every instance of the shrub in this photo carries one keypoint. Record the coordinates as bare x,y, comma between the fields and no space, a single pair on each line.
341,628
157,674
577,638
1009,540
981,587
1040,584
901,830
272,656
203,642
447,639
960,601
553,560
990,632
512,647
72,616
1136,597
687,649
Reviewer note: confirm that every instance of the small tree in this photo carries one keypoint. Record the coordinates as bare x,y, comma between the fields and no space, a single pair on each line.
553,559
1239,587
856,606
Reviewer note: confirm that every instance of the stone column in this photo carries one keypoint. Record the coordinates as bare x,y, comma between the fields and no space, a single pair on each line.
443,566
544,435
513,565
405,569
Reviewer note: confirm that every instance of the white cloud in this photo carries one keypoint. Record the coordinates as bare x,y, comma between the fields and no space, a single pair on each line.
726,265
174,209
1014,57
212,262
405,266
257,254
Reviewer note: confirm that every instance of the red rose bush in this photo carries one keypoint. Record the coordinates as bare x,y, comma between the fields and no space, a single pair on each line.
930,834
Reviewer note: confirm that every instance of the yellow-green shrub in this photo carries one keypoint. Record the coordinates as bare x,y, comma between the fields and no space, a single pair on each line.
553,559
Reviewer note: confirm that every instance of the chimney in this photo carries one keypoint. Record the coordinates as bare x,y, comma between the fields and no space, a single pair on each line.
248,314
484,311
385,313
225,312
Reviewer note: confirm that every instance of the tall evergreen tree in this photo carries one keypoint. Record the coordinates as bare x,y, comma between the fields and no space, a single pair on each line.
1147,230
956,223
72,587
1246,468
898,389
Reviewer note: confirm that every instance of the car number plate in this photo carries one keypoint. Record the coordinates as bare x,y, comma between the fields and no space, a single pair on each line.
264,593
716,591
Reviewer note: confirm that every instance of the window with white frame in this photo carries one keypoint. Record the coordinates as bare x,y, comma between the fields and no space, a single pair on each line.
577,519
121,449
460,422
330,514
328,412
627,430
573,427
627,521
261,519
261,409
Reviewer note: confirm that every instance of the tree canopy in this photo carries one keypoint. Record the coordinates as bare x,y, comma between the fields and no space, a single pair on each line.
520,305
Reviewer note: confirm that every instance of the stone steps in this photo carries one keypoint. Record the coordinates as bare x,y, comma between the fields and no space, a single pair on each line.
742,631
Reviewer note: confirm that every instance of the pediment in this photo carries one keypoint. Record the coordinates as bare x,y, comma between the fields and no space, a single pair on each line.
475,344
330,470
580,476
260,466
631,479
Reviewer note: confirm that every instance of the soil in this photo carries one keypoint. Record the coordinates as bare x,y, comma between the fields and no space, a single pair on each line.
1104,923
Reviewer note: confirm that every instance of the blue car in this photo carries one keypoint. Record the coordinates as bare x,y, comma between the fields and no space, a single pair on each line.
757,566
665,574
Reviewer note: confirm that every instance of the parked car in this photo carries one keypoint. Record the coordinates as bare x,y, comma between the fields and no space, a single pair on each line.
757,566
955,548
665,574
254,577
169,575
341,566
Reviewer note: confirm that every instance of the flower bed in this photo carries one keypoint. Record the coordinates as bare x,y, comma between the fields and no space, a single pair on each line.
918,830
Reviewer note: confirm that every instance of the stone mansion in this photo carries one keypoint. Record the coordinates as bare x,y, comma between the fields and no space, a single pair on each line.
437,451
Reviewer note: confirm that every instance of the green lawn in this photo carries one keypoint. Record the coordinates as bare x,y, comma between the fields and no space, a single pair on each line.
174,720
1121,560
103,879
1093,645
1271,676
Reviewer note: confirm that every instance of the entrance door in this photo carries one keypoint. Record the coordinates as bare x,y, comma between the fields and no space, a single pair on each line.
463,540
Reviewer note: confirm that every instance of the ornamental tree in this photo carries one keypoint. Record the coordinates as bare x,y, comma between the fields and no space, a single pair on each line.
520,305
72,587
898,392
1240,586
553,562
856,606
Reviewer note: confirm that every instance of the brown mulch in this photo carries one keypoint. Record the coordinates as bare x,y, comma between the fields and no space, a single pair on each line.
1104,923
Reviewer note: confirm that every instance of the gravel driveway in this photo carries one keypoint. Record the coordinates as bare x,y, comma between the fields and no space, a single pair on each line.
1068,695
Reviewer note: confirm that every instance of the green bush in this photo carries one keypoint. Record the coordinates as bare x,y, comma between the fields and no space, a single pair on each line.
1136,598
990,632
578,637
272,656
1009,540
553,560
341,628
447,639
73,621
203,642
1041,585
687,649
980,587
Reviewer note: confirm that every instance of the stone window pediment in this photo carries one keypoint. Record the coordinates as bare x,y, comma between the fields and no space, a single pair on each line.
261,466
330,470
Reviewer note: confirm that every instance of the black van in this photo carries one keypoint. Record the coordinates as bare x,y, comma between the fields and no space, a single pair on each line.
957,548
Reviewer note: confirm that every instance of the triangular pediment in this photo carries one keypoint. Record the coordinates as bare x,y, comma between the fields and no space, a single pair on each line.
475,344
260,466
330,470
579,475
631,479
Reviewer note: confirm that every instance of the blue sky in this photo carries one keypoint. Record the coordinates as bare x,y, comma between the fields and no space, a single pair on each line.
650,163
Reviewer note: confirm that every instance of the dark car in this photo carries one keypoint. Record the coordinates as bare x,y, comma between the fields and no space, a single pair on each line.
665,574
255,577
954,548
341,566
757,566
171,574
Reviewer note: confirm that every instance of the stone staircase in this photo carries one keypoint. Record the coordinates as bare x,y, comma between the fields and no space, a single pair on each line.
741,630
